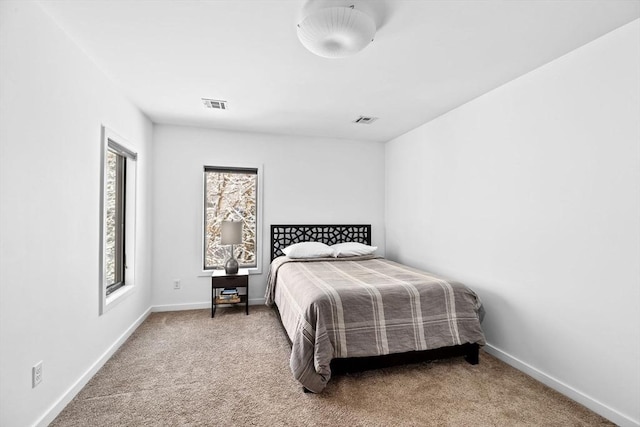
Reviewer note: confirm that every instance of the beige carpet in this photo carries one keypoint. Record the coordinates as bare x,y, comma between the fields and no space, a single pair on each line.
186,369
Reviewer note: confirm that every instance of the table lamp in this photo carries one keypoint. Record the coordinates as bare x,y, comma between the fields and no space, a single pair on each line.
231,234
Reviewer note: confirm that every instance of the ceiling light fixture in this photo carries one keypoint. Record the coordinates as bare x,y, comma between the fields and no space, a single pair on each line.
336,32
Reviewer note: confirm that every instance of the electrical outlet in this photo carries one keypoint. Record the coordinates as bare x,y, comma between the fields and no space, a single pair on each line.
36,374
176,284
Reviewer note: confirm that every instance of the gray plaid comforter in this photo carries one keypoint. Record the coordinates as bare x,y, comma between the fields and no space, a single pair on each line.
337,308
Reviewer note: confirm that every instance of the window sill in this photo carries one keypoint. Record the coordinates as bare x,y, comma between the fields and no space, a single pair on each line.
116,297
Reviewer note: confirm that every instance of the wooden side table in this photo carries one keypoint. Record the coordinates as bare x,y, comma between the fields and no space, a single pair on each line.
219,280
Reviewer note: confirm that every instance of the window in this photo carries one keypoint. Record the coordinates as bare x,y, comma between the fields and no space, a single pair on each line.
231,194
118,218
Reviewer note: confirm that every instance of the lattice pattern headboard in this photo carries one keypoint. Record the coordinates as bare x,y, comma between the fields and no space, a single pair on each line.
285,235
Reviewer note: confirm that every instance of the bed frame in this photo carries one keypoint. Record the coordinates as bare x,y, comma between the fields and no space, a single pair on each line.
285,235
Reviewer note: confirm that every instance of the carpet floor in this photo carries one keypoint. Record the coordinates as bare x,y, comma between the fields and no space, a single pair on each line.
186,369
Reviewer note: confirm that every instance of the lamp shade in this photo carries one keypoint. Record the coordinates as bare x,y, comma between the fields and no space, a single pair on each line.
336,32
231,233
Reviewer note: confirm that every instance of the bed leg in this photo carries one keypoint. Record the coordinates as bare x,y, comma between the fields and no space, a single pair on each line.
472,354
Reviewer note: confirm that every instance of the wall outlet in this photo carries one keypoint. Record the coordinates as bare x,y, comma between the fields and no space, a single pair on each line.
176,284
36,374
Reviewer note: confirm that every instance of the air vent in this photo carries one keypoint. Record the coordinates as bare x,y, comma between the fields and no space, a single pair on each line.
365,120
214,103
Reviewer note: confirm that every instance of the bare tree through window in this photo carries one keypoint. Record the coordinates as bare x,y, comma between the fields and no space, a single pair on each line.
230,194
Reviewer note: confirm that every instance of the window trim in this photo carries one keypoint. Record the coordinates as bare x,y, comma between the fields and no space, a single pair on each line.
110,141
259,250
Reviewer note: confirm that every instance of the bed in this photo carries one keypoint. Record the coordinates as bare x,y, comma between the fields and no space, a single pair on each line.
362,312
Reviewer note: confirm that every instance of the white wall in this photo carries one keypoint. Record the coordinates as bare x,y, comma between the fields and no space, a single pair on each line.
531,195
306,181
53,101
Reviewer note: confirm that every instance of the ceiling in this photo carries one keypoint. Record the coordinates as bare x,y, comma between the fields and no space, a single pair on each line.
428,57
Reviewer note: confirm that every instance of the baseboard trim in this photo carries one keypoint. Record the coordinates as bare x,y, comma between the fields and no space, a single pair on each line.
181,307
68,396
195,305
591,403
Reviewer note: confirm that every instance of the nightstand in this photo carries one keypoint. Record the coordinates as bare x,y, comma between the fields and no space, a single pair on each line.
221,280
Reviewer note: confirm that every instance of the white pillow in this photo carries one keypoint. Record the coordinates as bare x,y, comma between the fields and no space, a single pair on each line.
308,250
342,250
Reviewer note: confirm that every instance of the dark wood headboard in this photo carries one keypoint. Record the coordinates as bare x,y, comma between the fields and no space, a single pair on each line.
285,235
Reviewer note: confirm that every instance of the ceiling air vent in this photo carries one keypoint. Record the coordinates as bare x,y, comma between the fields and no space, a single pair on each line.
365,120
214,103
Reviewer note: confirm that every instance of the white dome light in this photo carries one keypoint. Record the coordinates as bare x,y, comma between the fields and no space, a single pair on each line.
336,32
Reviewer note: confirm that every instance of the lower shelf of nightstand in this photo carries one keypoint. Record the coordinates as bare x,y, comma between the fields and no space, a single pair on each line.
240,300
